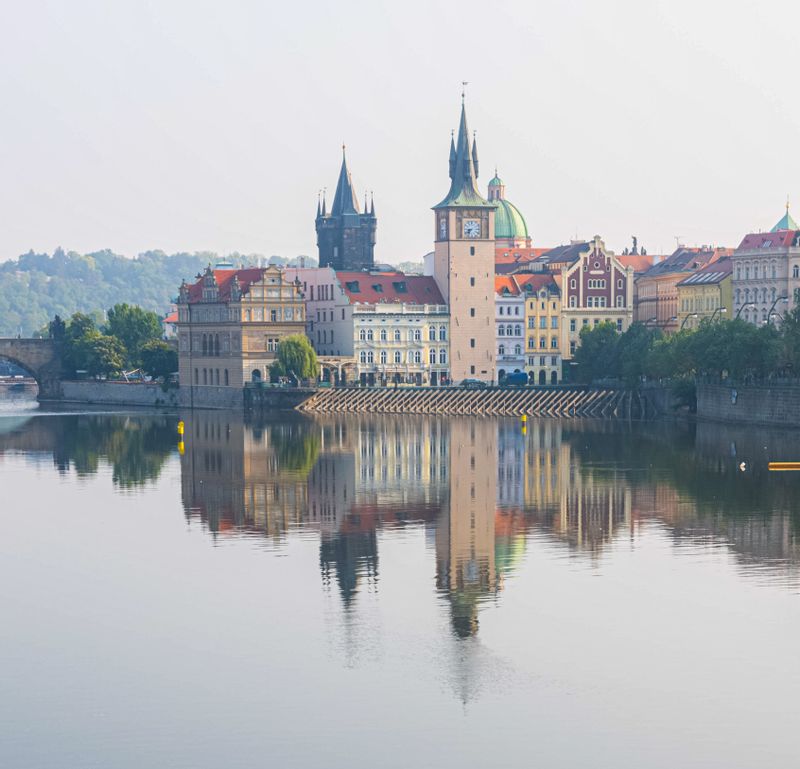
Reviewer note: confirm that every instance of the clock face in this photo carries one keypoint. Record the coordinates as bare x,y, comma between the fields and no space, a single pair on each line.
472,228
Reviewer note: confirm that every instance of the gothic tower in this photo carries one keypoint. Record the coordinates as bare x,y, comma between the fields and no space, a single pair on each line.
464,262
346,236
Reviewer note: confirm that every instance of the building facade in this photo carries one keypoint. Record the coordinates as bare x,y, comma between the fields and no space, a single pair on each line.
463,259
230,323
706,294
509,327
543,323
346,235
766,273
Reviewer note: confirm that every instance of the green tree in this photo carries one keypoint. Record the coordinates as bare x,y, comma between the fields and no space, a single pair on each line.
105,355
133,327
598,354
159,359
78,334
295,357
634,348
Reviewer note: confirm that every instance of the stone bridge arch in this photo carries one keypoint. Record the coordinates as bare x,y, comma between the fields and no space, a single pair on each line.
41,358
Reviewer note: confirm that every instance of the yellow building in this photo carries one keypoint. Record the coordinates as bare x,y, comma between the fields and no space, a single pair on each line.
706,293
542,327
230,323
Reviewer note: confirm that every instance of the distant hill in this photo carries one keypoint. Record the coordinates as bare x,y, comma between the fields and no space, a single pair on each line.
36,287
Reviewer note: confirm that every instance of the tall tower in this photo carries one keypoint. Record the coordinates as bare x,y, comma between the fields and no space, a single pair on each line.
346,236
463,262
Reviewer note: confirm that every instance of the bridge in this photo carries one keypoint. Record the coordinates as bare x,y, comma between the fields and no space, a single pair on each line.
41,358
562,401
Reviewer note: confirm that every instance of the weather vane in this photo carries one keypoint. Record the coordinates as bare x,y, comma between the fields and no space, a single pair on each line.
464,84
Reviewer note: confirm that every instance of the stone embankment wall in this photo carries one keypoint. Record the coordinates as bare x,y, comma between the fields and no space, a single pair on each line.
118,394
776,404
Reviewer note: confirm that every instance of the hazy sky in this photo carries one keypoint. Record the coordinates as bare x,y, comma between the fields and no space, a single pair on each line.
200,125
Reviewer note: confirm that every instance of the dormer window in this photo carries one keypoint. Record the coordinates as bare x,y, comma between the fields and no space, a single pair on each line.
400,286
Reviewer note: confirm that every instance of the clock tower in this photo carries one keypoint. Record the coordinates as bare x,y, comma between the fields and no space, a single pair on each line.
463,262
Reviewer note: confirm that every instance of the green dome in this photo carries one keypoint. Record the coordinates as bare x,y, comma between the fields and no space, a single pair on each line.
508,221
496,182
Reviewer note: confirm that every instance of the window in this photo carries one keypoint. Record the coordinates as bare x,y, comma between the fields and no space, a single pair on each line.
383,357
619,282
619,325
383,335
620,301
471,312
585,321
796,271
554,360
417,356
397,335
531,322
362,335
501,330
417,335
542,361
572,347
369,335
573,302
501,350
472,281
227,378
472,369
572,324
472,250
205,376
517,349
531,342
370,357
442,356
517,330
573,283
442,333
432,334
273,316
554,342
472,343
432,356
363,357
542,343
398,357
196,376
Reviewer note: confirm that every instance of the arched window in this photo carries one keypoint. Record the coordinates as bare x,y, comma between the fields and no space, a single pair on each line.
417,335
369,335
747,272
501,350
362,335
501,330
573,301
774,270
542,343
432,356
383,357
442,356
432,333
227,378
216,377
398,357
747,296
397,335
573,283
773,294
442,333
205,345
517,330
196,376
370,357
509,330
247,315
363,357
216,345
383,335
205,376
531,343
517,349
796,271
417,356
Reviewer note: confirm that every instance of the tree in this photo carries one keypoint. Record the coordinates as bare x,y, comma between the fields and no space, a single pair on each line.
597,356
295,357
634,347
159,359
105,355
57,328
133,327
78,334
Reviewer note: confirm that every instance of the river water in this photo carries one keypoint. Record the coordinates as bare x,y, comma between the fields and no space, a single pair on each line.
366,591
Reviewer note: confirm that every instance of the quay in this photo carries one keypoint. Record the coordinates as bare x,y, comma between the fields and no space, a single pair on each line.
490,401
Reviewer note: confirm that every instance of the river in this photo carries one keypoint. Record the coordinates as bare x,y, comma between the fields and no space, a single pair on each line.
367,591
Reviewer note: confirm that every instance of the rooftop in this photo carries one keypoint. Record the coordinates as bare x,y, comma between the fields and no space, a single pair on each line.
389,288
710,275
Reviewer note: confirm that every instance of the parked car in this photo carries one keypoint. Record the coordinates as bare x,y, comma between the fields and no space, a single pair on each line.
473,384
515,379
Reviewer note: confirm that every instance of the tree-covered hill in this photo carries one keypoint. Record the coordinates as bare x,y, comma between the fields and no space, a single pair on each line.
36,287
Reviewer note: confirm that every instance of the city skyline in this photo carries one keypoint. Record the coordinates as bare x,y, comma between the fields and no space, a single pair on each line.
219,136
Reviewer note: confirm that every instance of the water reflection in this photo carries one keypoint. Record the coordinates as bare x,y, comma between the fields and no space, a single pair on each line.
481,491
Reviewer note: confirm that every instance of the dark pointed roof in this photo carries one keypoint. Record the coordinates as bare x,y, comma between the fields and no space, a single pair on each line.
344,201
463,174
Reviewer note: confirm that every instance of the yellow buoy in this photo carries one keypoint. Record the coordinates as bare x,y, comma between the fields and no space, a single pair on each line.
181,427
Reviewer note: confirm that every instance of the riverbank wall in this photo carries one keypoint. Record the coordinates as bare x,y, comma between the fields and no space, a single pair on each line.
774,404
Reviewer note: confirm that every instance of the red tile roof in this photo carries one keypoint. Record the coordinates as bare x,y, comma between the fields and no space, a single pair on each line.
780,239
505,284
389,288
171,318
224,278
639,262
505,255
537,280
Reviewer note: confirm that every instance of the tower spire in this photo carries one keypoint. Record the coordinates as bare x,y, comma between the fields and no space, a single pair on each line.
344,200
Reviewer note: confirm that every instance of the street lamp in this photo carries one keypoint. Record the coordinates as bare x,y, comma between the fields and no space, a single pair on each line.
779,299
719,310
692,315
747,304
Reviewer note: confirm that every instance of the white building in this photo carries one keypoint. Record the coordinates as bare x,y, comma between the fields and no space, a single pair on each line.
509,327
